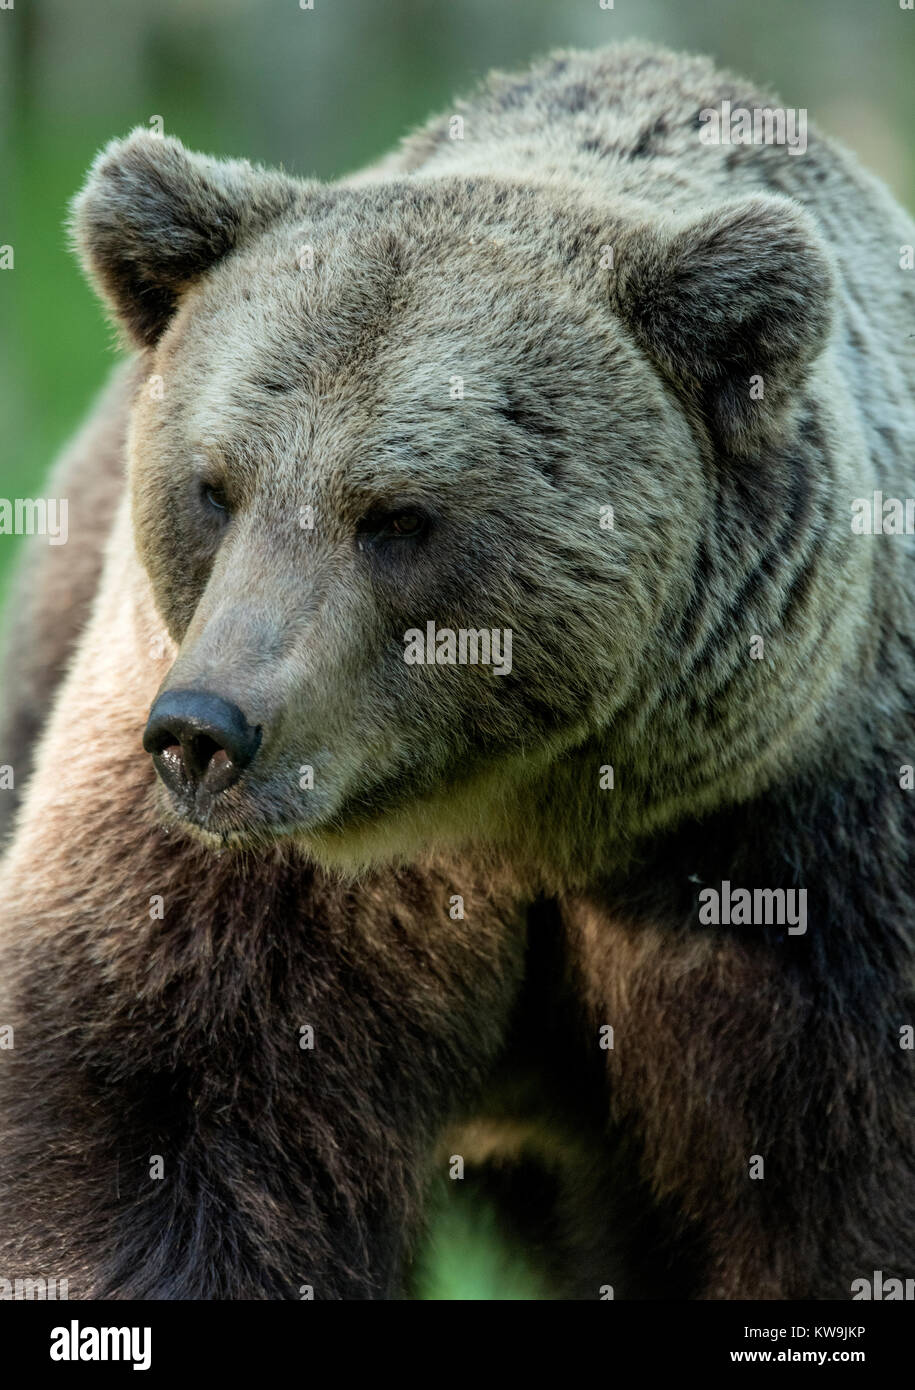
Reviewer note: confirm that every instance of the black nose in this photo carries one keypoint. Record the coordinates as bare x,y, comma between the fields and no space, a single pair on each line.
199,741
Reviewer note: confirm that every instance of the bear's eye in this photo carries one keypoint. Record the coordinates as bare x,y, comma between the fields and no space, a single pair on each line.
214,497
404,524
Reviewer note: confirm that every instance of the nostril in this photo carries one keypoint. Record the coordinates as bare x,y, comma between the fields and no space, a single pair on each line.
202,751
199,739
220,771
163,741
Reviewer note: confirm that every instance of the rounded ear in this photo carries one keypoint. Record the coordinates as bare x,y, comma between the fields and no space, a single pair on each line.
152,217
733,306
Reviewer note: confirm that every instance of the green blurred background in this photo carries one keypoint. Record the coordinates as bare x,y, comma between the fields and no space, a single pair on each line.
321,92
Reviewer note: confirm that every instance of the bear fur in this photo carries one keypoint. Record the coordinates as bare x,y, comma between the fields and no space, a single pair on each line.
572,306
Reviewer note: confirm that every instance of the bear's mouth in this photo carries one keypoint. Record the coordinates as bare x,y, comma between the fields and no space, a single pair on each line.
247,813
242,826
341,817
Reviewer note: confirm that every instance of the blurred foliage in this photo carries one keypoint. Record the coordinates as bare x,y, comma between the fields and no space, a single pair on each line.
467,1255
322,91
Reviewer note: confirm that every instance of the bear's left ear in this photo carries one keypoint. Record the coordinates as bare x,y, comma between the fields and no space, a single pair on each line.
733,306
153,217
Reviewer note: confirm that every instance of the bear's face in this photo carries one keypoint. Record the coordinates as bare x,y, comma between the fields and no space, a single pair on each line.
410,493
328,460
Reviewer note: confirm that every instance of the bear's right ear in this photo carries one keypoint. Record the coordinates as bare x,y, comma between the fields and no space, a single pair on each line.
152,217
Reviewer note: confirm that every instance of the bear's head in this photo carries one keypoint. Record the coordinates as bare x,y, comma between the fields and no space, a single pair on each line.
420,473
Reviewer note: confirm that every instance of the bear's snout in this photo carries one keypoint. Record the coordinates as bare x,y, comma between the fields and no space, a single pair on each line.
200,743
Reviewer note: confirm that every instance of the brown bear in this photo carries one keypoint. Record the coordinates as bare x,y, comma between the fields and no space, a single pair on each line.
531,709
